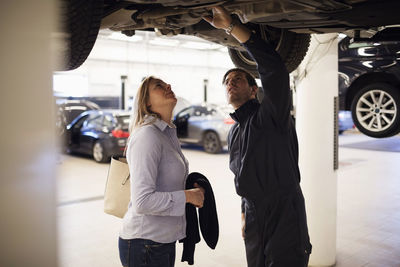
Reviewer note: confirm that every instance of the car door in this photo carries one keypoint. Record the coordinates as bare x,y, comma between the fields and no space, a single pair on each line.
197,124
90,132
181,122
73,135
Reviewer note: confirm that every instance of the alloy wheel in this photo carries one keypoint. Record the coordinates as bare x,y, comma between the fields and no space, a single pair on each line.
211,143
98,152
376,110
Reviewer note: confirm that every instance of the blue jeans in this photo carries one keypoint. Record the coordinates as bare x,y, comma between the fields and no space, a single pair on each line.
146,253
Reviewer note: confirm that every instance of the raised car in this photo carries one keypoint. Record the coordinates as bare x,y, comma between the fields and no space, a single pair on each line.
286,23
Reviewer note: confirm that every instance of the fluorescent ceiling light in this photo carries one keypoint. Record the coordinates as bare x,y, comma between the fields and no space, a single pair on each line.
123,37
201,45
164,42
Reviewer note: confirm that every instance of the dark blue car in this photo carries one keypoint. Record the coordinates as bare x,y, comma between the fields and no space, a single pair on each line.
345,122
100,133
369,82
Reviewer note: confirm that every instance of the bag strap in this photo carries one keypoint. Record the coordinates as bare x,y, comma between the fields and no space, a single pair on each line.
127,178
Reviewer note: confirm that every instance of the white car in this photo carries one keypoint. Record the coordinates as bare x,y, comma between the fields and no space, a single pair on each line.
206,125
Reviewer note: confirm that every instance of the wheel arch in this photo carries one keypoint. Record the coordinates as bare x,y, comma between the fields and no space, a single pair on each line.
366,79
216,146
210,130
291,46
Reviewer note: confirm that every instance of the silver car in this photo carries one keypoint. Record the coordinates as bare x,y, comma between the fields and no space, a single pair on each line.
207,125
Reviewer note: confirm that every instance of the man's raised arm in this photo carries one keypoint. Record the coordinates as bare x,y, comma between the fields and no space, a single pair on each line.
273,73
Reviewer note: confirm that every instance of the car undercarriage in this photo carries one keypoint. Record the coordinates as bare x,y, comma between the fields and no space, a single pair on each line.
286,23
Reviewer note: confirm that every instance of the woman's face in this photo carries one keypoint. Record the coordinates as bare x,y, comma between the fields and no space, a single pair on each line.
161,95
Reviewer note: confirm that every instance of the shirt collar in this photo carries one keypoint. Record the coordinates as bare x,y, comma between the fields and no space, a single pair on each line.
160,124
241,114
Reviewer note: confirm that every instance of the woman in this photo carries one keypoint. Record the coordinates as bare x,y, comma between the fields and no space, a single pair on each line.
156,215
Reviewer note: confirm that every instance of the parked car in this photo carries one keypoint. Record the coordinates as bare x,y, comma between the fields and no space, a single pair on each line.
68,110
100,133
345,121
207,125
181,103
287,23
369,82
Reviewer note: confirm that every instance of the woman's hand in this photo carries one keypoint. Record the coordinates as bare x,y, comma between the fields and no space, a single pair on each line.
220,19
243,226
195,196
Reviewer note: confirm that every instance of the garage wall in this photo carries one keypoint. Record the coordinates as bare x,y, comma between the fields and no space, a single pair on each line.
184,68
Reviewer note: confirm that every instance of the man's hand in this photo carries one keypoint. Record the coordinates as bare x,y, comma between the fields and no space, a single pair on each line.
220,19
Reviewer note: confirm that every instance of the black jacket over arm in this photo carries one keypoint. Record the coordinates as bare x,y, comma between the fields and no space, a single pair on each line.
207,217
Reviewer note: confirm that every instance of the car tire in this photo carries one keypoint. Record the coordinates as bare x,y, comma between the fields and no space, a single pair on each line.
82,21
376,110
292,47
99,153
211,142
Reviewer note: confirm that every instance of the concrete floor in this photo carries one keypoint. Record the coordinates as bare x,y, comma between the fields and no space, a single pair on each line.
368,220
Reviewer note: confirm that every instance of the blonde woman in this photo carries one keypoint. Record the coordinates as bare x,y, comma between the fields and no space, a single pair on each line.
155,219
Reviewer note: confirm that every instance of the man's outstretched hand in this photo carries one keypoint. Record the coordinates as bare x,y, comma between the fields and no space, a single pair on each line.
220,19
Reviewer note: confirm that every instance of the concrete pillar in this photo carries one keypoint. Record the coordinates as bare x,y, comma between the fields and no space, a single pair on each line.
27,136
317,87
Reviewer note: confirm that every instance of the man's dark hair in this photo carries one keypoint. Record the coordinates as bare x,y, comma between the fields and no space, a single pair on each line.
249,77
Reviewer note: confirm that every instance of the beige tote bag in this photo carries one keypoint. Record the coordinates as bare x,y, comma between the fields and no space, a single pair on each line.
117,192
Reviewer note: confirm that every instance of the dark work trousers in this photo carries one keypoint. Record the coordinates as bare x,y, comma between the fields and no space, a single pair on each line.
146,253
276,232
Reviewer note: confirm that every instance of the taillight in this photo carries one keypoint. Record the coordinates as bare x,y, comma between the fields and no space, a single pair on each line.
229,121
120,134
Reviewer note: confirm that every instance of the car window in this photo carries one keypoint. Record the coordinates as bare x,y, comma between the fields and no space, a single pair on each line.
93,122
79,123
204,111
186,112
199,111
108,121
388,34
359,44
123,121
211,111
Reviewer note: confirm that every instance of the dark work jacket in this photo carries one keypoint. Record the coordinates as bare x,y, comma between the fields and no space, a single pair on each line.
208,219
263,143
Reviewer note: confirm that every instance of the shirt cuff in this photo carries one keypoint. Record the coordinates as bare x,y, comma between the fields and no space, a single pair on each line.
179,203
250,40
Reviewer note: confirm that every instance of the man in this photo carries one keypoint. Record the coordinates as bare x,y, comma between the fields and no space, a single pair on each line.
264,155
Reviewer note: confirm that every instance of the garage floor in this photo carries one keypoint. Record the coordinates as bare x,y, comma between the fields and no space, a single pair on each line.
368,221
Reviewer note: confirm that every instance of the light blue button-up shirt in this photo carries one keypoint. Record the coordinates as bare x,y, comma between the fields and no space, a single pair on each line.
158,174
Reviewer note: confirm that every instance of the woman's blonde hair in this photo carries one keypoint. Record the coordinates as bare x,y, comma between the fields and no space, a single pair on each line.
141,108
